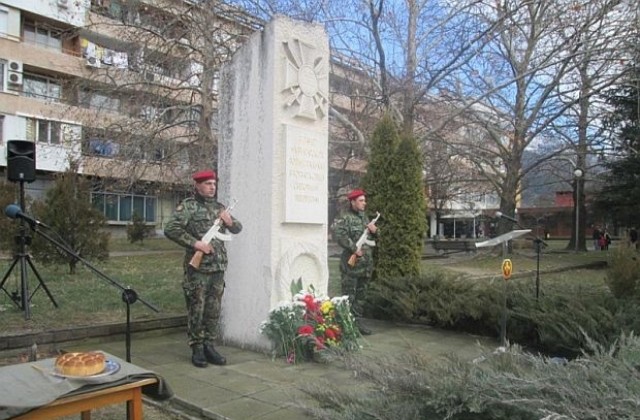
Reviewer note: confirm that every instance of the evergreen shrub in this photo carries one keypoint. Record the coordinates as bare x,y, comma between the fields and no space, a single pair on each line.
557,323
603,383
138,230
438,299
624,272
9,228
67,209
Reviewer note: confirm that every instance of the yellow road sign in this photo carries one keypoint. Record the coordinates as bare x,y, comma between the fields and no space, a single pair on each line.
507,269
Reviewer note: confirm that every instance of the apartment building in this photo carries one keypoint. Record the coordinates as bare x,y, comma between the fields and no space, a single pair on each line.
125,90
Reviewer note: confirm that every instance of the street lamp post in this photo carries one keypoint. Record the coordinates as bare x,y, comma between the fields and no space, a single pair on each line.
577,172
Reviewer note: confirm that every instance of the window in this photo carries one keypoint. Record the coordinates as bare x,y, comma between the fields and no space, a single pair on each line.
1,129
3,68
43,131
43,35
99,101
99,142
102,147
121,207
4,21
41,87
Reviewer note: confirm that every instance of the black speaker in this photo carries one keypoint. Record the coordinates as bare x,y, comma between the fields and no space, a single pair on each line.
21,161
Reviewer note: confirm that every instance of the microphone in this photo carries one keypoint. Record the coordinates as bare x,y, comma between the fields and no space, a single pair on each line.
504,216
15,212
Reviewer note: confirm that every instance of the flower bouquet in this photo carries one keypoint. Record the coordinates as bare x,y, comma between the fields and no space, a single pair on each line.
310,326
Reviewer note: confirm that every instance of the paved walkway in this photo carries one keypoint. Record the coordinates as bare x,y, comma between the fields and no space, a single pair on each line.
255,386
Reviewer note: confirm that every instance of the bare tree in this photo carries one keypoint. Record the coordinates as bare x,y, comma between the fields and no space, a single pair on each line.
405,49
150,91
517,87
503,66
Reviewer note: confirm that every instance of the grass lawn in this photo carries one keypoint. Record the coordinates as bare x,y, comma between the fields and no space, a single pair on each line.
86,299
150,244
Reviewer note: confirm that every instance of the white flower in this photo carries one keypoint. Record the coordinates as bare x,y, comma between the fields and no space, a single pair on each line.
301,294
282,306
337,300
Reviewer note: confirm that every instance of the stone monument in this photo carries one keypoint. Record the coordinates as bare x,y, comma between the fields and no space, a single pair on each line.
273,146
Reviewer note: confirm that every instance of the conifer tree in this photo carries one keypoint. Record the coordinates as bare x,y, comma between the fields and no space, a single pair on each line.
394,188
137,230
67,209
620,196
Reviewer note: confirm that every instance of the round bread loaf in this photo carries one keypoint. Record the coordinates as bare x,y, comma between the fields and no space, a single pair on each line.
80,364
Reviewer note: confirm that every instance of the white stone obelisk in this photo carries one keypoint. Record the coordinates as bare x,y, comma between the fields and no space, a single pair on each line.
273,146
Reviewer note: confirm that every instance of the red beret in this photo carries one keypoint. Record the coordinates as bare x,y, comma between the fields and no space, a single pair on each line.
205,175
355,194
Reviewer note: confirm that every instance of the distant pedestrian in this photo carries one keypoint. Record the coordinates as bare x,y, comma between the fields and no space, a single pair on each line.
605,240
596,238
633,238
203,286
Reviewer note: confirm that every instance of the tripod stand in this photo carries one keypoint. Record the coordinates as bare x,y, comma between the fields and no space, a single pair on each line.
21,258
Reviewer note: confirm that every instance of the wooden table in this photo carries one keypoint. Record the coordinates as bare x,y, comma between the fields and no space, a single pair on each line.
83,403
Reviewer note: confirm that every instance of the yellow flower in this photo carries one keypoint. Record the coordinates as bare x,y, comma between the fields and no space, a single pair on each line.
326,307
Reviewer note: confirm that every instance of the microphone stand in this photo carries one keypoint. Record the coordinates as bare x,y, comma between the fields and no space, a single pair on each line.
22,259
129,295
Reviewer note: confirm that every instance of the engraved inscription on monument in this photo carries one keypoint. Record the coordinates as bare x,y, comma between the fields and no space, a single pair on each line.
306,176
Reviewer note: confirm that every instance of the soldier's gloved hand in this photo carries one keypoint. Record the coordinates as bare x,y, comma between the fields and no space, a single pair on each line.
203,247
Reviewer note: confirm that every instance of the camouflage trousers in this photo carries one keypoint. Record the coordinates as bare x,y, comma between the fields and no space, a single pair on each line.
203,295
355,286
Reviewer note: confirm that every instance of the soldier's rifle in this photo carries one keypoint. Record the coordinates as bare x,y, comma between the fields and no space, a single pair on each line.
213,232
362,241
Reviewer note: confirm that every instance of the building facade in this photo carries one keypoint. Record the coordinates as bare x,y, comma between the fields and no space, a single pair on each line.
125,91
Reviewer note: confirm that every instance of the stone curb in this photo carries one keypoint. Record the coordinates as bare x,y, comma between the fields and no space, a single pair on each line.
67,335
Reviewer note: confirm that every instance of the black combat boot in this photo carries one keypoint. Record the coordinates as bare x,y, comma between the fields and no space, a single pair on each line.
213,356
198,358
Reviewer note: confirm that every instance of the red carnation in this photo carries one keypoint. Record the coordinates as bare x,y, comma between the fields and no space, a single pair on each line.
305,330
310,303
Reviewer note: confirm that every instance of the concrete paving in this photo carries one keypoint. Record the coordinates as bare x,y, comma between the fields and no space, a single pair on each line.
255,386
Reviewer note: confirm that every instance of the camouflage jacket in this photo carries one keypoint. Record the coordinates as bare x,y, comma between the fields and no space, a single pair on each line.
347,229
191,221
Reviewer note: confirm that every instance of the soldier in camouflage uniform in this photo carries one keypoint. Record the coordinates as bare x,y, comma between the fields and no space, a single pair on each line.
346,231
203,287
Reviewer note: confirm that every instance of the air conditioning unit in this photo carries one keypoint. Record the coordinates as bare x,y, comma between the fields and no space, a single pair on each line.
15,78
63,3
15,66
93,62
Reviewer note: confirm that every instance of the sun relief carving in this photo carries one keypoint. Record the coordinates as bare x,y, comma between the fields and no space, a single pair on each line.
305,80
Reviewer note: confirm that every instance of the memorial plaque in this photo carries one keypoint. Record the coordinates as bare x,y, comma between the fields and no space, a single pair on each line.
306,176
